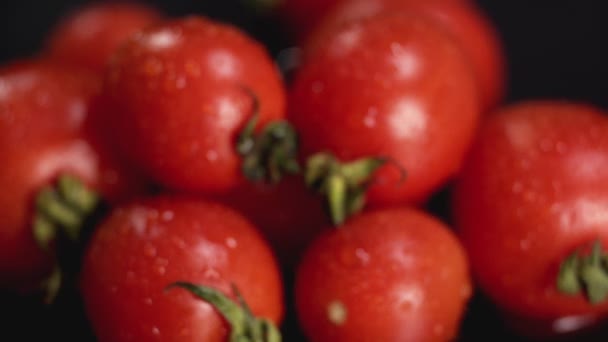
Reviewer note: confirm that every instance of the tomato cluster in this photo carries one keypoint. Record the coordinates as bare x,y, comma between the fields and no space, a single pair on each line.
167,177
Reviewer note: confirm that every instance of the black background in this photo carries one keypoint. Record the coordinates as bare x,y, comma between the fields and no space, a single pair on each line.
555,49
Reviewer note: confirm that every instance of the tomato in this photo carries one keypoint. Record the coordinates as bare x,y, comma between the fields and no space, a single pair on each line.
288,214
90,35
386,275
531,194
145,246
44,112
39,99
391,86
181,93
467,24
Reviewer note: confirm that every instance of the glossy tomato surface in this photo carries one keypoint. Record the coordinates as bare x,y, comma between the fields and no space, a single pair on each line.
394,86
91,34
180,94
467,24
387,275
44,133
40,99
144,246
532,192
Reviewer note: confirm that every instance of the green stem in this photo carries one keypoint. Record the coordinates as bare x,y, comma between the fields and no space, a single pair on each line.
244,326
587,275
343,184
272,153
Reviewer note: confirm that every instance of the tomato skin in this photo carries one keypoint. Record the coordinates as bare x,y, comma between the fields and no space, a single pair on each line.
179,101
390,269
288,214
532,192
146,245
393,86
40,99
89,36
44,132
467,24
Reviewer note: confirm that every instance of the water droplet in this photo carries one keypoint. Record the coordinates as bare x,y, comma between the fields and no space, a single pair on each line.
231,242
517,187
162,261
156,331
211,155
336,312
438,329
179,243
161,270
113,289
362,255
167,216
211,274
148,301
560,147
180,83
370,118
524,244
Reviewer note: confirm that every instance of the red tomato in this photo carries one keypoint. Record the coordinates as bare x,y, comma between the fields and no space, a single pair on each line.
392,86
288,214
467,24
181,94
532,192
147,245
89,36
43,135
388,275
40,99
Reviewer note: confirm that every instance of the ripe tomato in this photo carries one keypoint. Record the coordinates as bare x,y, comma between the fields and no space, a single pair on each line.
89,36
387,275
393,86
467,24
147,245
288,214
532,192
39,99
43,134
181,93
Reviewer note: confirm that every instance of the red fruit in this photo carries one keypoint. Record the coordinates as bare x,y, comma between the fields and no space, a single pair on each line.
147,245
389,275
43,135
532,193
88,37
392,86
464,21
288,214
181,93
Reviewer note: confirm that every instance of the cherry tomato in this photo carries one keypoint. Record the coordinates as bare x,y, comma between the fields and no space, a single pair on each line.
467,24
89,36
288,214
39,99
181,94
533,192
149,244
393,86
387,275
43,134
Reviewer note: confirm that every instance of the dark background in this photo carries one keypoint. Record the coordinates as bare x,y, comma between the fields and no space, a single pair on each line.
555,49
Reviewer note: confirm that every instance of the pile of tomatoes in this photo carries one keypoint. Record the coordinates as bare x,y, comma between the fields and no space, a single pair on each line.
165,180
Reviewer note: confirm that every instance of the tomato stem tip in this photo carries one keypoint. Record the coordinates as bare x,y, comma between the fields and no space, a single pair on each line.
585,274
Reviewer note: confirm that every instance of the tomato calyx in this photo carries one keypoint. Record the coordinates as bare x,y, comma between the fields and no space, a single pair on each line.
61,212
245,327
342,184
586,274
269,154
